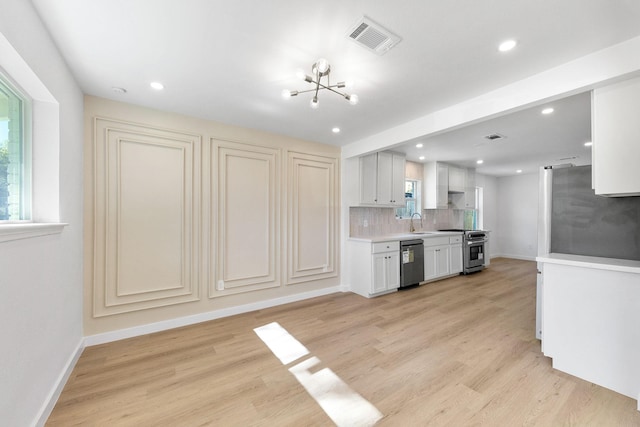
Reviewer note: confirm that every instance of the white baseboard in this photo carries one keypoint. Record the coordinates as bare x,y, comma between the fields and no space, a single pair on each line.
204,317
55,392
522,257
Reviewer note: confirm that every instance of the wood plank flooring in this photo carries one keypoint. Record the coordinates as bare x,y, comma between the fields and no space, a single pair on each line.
459,352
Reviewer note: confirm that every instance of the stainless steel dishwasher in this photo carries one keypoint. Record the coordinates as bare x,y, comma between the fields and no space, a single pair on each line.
411,262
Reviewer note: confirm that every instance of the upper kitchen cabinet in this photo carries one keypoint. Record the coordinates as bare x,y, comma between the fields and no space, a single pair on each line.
470,189
449,186
436,185
382,179
616,139
457,179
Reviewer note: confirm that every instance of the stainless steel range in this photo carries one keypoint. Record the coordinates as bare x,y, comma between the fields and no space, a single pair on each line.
473,249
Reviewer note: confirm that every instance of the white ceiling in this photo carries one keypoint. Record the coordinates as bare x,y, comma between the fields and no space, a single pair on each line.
228,61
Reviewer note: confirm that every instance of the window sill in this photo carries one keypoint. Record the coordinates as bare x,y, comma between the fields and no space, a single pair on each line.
10,232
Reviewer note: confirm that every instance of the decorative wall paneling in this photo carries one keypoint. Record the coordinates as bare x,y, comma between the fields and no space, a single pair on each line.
312,217
246,199
182,222
146,217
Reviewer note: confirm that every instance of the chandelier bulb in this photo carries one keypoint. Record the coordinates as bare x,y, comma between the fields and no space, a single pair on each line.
314,102
286,94
353,99
323,65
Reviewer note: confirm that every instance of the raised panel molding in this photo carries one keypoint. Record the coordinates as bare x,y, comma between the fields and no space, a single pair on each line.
146,217
246,194
313,203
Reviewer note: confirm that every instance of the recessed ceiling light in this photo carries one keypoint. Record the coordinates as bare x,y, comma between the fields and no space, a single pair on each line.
335,130
419,145
156,85
507,45
588,144
548,110
519,171
479,162
119,89
421,157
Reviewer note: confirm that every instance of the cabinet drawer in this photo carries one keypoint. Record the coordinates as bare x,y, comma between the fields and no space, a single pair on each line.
436,241
455,239
379,247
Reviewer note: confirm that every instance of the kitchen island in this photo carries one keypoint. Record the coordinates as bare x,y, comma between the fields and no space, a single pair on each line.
591,319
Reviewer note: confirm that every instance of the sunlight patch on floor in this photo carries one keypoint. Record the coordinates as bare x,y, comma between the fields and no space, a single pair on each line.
344,406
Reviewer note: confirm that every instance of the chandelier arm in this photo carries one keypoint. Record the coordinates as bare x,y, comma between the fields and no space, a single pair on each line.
330,88
305,91
317,85
335,91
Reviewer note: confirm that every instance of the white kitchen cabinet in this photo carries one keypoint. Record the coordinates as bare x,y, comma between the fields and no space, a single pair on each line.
616,132
382,179
470,189
436,262
386,271
463,197
375,267
457,179
436,257
455,247
369,179
442,257
436,185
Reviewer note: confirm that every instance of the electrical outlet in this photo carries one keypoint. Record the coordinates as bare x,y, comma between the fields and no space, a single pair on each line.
365,223
220,286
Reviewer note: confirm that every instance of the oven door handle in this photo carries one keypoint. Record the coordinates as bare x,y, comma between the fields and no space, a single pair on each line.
475,242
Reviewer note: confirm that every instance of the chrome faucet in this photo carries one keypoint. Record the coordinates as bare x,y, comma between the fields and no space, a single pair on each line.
411,227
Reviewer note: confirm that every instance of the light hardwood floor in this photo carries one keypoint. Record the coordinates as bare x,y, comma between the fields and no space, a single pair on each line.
458,352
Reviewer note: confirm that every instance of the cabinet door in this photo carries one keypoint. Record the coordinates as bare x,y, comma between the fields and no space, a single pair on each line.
456,258
368,178
385,175
442,186
393,270
456,179
430,263
442,260
379,282
398,178
615,134
470,190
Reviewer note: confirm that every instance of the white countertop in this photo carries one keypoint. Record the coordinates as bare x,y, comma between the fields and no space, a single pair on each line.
405,236
613,264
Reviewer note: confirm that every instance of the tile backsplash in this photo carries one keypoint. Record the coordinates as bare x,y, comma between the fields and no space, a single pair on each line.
368,222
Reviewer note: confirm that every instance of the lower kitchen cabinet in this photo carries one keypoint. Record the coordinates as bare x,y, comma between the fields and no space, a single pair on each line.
375,267
442,257
436,262
455,247
386,271
456,258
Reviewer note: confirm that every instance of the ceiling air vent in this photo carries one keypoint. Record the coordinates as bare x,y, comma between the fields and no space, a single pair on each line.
494,136
373,36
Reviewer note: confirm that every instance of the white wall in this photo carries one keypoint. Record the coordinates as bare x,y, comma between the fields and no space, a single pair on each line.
41,278
489,186
518,216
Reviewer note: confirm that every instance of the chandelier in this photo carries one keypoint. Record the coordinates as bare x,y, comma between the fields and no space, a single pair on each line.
320,70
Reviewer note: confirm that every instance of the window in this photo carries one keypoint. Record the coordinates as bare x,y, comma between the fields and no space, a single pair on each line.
31,195
14,155
473,218
412,199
